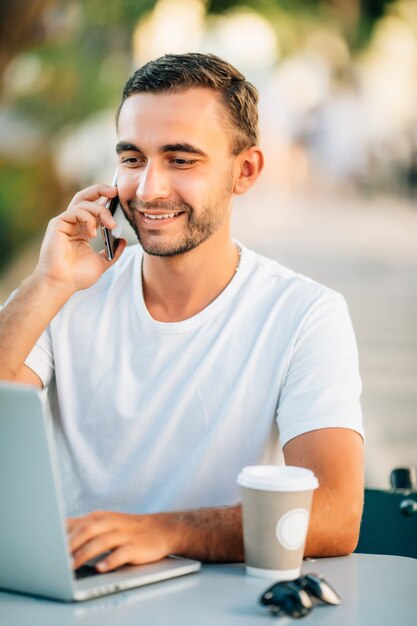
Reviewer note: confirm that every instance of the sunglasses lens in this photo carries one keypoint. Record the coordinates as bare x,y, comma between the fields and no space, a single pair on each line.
320,588
289,598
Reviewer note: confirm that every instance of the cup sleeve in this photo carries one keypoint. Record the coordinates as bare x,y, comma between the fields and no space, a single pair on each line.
322,385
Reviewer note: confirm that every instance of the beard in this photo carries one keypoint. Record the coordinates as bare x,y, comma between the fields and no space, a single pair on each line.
199,225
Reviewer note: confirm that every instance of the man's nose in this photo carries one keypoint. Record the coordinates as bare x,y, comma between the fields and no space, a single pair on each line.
153,183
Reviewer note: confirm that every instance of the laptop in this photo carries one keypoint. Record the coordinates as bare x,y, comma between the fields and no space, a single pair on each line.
34,555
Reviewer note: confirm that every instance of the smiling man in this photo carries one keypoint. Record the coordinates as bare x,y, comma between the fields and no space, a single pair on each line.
171,367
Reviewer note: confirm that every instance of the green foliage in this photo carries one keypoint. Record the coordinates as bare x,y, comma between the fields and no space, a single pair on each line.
371,12
123,13
68,93
28,199
74,85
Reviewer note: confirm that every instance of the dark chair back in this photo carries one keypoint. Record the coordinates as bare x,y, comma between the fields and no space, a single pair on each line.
389,522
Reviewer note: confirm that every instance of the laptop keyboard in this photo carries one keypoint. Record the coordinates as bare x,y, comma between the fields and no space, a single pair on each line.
85,571
89,568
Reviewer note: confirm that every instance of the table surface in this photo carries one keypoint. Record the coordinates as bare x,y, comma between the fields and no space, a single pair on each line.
375,590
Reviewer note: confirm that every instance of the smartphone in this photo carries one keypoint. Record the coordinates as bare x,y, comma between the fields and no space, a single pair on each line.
108,239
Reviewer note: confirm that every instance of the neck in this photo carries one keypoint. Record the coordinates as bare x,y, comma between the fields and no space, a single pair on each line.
176,288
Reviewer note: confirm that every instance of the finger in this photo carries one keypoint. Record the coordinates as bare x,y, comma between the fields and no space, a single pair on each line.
126,554
98,211
98,546
81,221
89,527
93,193
135,551
71,522
119,247
77,224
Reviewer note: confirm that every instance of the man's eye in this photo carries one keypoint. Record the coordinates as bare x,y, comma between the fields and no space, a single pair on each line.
183,162
132,161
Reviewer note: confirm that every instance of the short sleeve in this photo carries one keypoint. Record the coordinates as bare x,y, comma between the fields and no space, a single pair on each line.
322,386
41,359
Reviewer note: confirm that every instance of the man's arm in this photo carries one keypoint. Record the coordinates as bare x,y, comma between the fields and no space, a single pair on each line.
336,457
66,264
215,534
212,534
22,322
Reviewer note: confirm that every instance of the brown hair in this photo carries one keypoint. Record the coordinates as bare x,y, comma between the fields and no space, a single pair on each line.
178,72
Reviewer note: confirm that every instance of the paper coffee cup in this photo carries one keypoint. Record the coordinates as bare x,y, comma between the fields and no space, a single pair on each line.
276,504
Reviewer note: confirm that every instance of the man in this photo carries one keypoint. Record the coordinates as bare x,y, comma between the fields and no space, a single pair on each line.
168,369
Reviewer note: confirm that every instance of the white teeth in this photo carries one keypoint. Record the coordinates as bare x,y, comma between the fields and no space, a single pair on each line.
159,217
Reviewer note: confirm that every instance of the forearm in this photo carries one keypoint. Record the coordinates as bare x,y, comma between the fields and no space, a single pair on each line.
216,534
23,320
211,534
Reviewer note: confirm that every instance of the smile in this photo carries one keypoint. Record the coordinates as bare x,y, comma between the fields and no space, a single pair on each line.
166,216
162,218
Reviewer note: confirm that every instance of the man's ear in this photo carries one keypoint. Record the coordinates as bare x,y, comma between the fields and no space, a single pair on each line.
249,165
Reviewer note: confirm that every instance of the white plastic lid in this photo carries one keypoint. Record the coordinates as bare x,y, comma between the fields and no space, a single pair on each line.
277,478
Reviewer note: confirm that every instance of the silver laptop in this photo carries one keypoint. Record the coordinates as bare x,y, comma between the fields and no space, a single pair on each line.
34,555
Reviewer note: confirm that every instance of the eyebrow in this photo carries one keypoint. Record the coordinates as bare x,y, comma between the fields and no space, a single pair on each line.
126,147
170,147
181,147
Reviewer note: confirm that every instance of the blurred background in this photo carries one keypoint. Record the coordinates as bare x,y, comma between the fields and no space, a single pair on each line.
338,116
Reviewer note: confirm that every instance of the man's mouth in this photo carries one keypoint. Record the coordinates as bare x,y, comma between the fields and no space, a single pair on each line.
163,216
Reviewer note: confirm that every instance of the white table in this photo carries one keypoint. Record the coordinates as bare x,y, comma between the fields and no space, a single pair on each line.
375,590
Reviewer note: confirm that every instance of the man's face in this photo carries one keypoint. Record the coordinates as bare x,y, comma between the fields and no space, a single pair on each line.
175,178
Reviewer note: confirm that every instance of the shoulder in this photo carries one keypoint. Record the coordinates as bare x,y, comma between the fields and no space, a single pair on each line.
271,279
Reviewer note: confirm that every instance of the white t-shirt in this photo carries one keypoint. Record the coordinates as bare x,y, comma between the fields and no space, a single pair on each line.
152,416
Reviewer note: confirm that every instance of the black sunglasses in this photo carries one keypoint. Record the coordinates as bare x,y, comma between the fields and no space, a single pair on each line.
296,598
